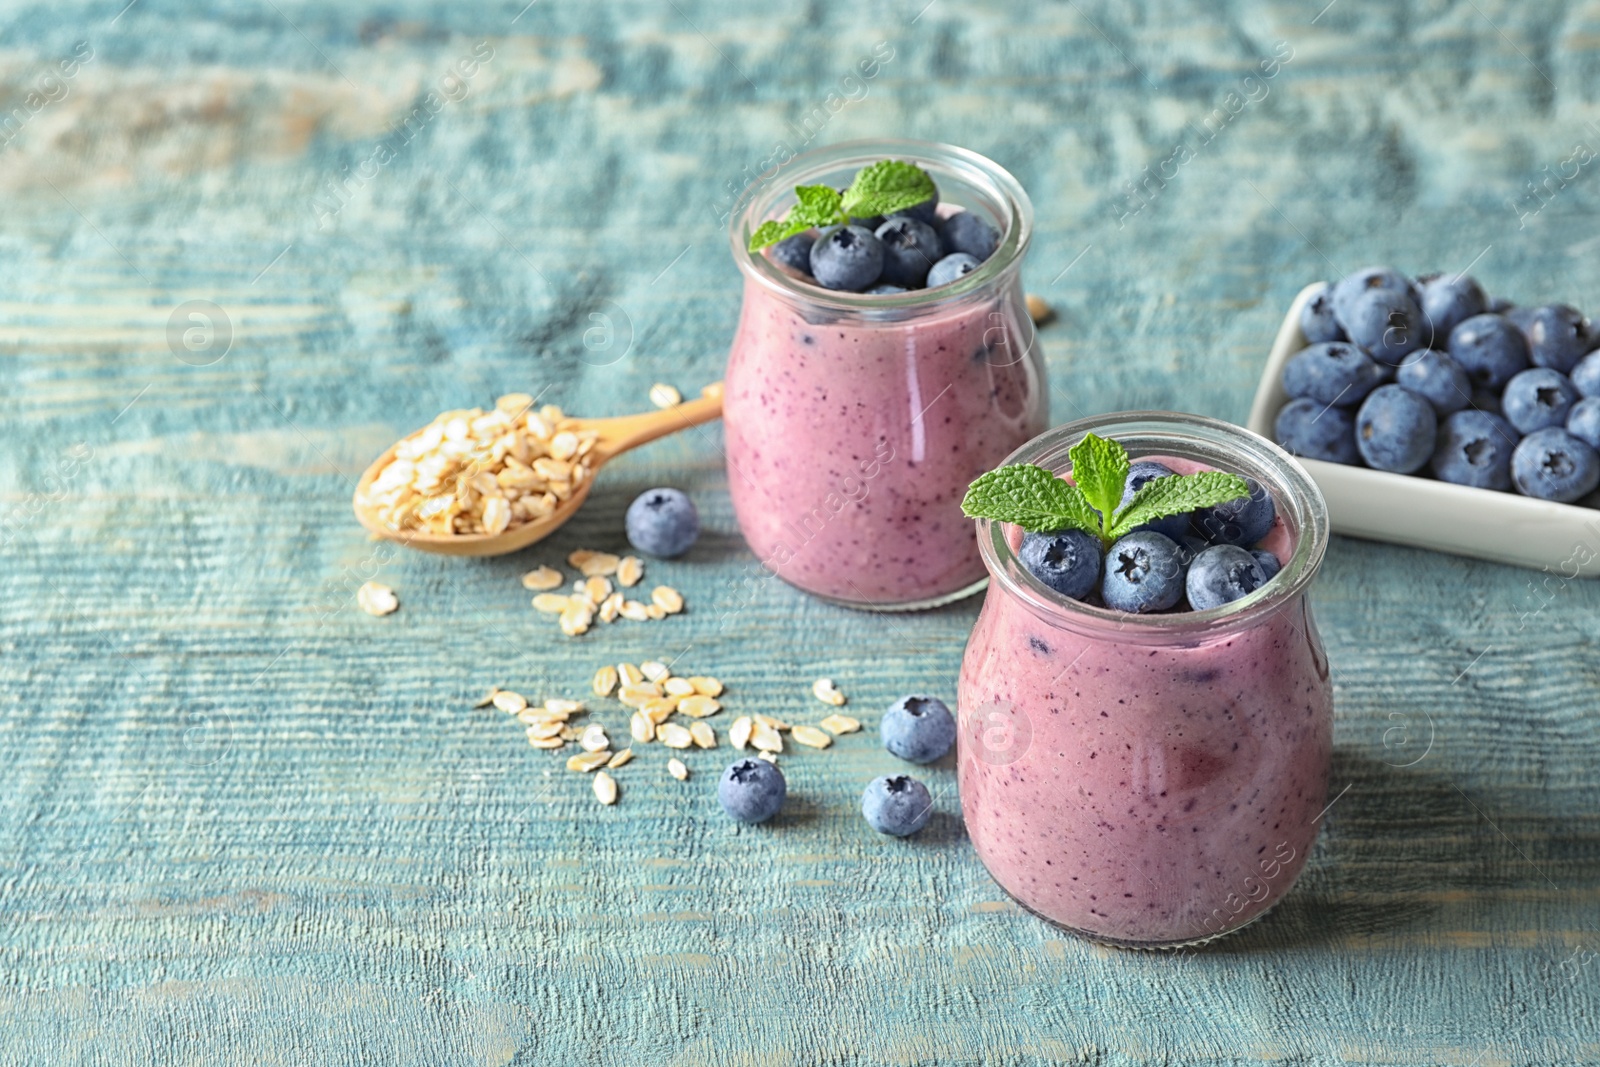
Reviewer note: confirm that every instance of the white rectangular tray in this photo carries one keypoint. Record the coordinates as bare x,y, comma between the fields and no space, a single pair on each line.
1408,510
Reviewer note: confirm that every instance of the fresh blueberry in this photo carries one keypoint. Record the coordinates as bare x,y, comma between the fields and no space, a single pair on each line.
1223,573
1558,337
1395,430
846,257
1538,398
1173,526
884,290
969,232
1475,449
1521,317
1450,299
1268,563
795,252
896,804
1437,378
927,211
1334,372
910,249
1242,521
1317,320
1067,561
1583,421
1316,431
752,790
1389,325
950,268
1554,465
1350,288
1490,349
1143,573
918,728
662,523
1586,375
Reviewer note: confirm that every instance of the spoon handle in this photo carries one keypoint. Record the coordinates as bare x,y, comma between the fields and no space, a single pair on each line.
620,434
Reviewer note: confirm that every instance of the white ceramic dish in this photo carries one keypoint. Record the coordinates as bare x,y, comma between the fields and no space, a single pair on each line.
1408,510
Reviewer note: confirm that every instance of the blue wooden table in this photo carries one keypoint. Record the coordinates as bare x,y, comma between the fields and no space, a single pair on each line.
242,822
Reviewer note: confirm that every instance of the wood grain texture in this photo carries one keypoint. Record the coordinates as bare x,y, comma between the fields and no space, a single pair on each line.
242,822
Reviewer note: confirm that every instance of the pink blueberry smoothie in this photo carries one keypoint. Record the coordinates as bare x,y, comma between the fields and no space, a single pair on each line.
851,440
1138,789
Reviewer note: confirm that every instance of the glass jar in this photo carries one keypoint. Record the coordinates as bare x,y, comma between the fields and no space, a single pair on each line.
854,423
1150,781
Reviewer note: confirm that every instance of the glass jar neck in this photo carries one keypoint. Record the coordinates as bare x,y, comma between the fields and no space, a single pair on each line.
965,178
1198,439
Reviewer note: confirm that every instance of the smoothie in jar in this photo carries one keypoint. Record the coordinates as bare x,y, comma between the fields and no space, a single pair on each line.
854,421
1150,780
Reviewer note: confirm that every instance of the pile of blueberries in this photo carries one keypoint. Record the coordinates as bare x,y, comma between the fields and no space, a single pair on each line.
1189,562
910,249
1430,375
917,728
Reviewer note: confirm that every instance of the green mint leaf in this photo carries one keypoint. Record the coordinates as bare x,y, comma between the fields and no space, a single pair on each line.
886,186
1030,497
768,233
1175,494
817,205
1100,468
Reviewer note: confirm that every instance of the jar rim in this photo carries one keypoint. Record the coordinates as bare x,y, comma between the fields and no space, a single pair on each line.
1006,195
1183,436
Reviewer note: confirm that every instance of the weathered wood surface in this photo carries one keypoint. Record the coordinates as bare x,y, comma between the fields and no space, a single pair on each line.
242,822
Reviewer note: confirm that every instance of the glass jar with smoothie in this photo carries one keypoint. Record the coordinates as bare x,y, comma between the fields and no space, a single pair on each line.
854,420
1150,780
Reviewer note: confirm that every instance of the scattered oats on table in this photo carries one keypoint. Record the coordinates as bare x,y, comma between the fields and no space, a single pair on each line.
551,603
654,670
840,724
620,758
488,698
542,580
765,737
584,762
629,572
667,599
702,734
769,756
698,707
642,729
676,768
705,686
509,702
674,736
663,395
594,564
605,680
811,736
635,611
605,788
594,739
678,687
824,690
629,674
376,599
739,732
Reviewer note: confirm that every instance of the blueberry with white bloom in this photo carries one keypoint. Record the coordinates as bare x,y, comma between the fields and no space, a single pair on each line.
918,728
1437,378
1490,349
910,249
1474,448
1350,288
752,790
1396,430
1317,320
1315,431
1538,398
846,257
1144,572
896,804
1334,372
795,252
1586,375
1583,421
1554,465
950,268
1241,521
662,522
1558,337
1449,300
1269,563
1068,561
969,232
1222,574
1388,324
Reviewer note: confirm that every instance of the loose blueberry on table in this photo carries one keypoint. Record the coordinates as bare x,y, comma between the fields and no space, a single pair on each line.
1433,378
896,804
662,523
887,233
918,728
1144,537
752,790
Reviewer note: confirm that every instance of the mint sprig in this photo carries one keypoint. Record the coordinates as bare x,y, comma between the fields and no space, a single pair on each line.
886,186
1039,502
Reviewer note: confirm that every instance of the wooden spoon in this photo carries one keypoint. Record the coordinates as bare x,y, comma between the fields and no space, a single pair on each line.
616,436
